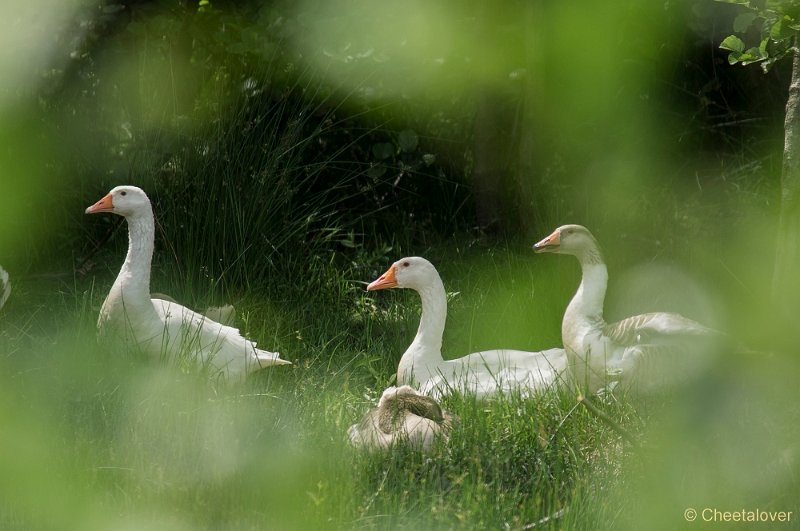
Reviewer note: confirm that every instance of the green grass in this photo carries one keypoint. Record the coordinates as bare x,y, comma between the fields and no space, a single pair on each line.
96,440
135,441
275,200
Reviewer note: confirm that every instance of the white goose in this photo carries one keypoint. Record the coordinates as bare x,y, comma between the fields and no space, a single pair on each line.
648,350
5,287
160,327
402,415
481,373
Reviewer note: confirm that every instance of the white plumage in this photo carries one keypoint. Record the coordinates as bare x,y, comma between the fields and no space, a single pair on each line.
222,314
160,327
649,350
481,373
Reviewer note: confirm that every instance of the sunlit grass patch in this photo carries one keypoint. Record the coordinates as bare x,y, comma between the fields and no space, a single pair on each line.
137,442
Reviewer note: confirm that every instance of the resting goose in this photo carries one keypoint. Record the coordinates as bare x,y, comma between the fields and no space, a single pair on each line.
481,373
5,287
161,327
402,415
651,349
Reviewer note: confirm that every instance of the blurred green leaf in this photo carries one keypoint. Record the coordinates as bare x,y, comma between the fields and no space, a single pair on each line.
376,171
383,150
408,140
782,30
742,22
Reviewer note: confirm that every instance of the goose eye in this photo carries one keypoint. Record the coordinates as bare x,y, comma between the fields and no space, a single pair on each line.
406,264
123,193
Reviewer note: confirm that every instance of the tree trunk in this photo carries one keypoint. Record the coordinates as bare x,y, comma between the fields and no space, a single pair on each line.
786,278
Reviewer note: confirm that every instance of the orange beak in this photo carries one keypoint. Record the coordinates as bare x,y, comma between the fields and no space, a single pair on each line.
386,280
104,205
549,244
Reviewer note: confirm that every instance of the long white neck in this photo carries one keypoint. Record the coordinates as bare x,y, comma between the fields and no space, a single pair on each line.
133,282
424,356
587,304
588,300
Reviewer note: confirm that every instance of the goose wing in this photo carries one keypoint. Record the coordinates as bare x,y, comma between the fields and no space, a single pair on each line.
659,327
215,344
657,350
491,372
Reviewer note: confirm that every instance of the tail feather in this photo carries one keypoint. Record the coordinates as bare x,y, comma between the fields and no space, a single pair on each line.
266,359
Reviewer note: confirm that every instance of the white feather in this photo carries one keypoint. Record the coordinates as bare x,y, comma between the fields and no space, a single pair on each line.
483,373
165,328
648,351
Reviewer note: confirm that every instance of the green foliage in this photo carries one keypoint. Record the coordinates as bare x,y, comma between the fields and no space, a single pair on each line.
743,21
733,43
292,151
778,27
408,140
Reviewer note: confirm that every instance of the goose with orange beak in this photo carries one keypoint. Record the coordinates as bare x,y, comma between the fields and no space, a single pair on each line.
162,328
649,351
483,373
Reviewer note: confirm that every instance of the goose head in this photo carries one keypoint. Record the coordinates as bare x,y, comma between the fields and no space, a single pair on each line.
403,414
397,400
412,272
571,239
123,200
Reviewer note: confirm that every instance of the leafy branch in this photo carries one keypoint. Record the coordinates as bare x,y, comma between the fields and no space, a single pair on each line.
778,23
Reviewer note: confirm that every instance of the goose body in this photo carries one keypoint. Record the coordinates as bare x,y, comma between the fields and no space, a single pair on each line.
482,373
161,327
402,415
651,349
